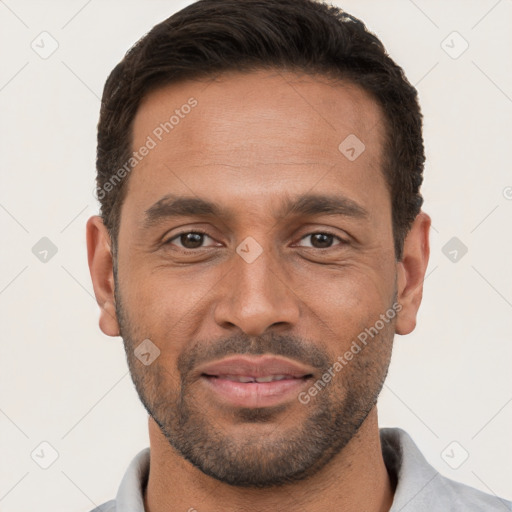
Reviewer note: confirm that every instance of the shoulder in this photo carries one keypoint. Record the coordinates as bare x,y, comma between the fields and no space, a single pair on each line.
420,487
109,506
462,497
129,496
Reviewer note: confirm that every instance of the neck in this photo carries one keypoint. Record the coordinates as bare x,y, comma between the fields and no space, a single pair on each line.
355,479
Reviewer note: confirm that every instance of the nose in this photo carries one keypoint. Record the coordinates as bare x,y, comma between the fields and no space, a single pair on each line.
256,296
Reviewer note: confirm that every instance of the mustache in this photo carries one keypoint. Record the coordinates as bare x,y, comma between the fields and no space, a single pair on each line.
279,345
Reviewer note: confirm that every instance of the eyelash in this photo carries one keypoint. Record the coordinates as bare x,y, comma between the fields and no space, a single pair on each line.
200,232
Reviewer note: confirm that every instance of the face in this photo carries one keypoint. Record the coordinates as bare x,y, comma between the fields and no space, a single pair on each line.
255,255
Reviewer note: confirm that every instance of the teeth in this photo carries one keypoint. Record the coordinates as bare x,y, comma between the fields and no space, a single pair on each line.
242,378
238,378
271,378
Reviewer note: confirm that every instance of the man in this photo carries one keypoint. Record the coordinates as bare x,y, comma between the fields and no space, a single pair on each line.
261,241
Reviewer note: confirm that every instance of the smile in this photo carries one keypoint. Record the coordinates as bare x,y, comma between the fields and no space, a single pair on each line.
246,379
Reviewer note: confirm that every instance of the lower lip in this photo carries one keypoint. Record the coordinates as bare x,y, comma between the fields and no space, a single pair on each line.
255,394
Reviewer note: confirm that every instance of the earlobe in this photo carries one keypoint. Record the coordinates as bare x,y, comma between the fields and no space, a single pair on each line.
108,319
411,273
100,262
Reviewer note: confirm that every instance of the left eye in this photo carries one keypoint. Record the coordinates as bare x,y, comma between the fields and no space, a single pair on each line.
322,240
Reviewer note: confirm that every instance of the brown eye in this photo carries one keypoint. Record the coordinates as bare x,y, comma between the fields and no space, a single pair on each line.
322,240
188,240
191,240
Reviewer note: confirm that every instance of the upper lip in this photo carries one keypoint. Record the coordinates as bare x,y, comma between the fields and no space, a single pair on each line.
260,366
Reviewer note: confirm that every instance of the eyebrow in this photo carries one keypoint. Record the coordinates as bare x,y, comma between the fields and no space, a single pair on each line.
171,206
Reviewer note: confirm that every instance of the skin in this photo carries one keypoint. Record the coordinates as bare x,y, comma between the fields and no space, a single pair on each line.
252,141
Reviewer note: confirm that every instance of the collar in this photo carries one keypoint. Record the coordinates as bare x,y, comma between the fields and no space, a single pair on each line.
419,487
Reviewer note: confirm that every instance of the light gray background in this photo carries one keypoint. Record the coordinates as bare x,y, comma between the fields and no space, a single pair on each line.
64,382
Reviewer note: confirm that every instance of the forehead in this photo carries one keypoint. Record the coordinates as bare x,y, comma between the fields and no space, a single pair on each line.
248,136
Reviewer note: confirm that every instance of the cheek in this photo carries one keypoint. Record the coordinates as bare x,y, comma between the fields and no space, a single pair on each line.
351,292
169,312
343,308
152,299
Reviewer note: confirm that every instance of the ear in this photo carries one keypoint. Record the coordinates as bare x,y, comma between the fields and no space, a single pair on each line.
411,273
99,256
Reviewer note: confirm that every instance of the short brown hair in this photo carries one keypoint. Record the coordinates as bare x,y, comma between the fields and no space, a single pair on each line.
214,36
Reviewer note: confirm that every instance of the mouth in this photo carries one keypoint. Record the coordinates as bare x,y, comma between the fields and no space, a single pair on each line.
247,379
250,382
253,392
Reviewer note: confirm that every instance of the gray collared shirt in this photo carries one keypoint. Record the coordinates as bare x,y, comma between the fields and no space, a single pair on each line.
420,488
